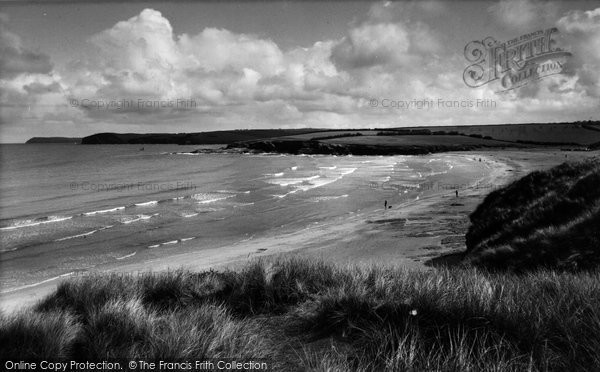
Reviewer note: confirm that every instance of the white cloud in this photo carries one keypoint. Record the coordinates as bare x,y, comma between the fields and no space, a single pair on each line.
581,32
524,14
29,89
15,59
580,21
370,45
218,50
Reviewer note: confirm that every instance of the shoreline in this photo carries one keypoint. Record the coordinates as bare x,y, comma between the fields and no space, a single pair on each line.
411,234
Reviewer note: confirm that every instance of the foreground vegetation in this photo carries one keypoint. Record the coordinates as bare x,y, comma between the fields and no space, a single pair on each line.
302,314
546,219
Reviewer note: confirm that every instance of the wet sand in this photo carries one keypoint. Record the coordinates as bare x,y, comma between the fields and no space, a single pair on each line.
418,234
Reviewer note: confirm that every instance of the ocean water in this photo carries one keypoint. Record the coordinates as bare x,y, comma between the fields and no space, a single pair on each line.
69,208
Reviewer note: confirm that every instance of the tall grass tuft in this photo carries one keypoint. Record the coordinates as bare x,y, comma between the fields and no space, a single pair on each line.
33,335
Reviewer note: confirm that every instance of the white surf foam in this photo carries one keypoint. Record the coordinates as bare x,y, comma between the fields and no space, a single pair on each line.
76,236
208,201
207,198
332,197
243,205
309,183
147,204
126,256
139,217
233,192
104,211
31,223
346,171
188,215
291,181
208,210
83,234
38,283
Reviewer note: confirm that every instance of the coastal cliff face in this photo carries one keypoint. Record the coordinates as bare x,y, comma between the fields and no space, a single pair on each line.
327,148
54,140
104,138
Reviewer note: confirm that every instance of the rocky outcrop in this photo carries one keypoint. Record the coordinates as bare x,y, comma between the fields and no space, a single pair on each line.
327,148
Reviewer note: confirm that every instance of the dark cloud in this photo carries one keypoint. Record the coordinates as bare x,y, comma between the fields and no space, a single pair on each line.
39,88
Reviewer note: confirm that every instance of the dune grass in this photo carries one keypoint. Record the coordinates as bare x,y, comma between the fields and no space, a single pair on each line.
545,219
308,315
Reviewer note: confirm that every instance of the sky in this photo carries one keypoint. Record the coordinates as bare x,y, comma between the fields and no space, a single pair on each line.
74,69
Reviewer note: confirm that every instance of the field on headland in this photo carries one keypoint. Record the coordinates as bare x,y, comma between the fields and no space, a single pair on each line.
583,133
423,140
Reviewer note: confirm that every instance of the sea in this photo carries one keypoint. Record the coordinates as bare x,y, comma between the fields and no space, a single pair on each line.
67,208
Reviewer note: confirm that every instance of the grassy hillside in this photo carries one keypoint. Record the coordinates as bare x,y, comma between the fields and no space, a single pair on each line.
308,315
583,133
201,138
547,218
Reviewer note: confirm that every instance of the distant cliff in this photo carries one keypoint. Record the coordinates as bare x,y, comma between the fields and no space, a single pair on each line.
54,140
201,138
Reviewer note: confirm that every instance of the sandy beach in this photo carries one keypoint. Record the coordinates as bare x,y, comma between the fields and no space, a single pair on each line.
413,234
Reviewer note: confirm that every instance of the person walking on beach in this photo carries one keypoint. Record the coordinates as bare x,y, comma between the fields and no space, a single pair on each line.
456,193
385,205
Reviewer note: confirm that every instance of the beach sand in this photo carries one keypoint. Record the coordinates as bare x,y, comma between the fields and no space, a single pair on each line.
418,234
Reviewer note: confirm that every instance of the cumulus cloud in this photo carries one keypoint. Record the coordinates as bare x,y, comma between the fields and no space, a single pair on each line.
392,35
524,14
141,58
583,22
371,45
26,81
15,59
581,30
219,50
